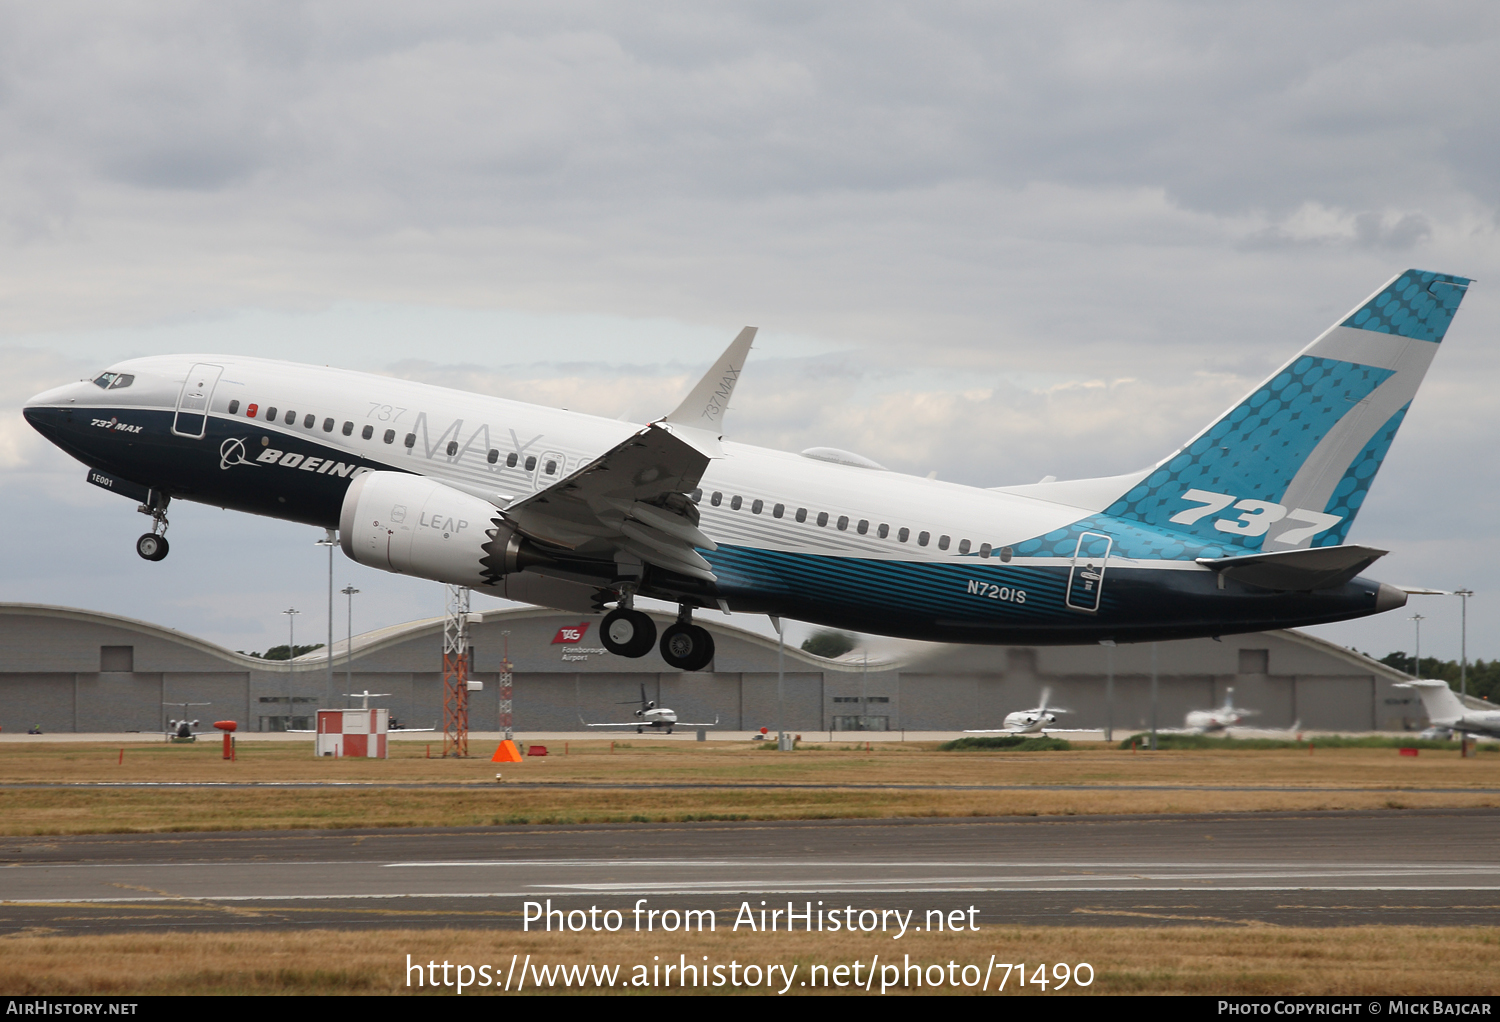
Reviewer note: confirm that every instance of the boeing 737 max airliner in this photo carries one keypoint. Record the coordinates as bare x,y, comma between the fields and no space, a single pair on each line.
1241,529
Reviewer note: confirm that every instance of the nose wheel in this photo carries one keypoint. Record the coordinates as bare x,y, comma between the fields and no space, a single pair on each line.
152,546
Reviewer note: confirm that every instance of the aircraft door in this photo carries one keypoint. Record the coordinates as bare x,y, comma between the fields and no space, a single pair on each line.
549,469
192,403
1086,577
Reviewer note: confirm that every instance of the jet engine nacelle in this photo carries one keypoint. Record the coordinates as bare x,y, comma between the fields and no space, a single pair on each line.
414,525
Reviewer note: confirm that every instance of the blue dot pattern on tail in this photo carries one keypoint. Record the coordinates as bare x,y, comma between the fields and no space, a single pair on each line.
1255,450
1350,493
1418,305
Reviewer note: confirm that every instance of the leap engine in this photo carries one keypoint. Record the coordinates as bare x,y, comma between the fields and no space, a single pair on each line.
414,525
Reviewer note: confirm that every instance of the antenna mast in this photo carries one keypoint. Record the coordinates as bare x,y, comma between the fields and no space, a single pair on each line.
456,674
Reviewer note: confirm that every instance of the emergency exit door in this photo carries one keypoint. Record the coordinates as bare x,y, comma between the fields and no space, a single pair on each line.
1086,577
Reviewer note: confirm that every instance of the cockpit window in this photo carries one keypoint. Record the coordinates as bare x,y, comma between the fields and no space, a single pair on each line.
104,380
121,381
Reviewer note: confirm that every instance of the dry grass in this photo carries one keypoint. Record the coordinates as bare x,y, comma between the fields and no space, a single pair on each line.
1361,779
93,811
1188,960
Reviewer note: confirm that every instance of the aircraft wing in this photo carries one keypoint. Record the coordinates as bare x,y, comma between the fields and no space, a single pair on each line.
997,731
636,724
634,497
617,500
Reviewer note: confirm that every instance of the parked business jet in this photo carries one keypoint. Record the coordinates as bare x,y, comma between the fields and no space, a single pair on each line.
1239,530
1448,712
1202,722
657,718
1036,721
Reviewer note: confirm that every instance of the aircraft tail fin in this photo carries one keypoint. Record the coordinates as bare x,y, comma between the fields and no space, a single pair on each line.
1441,702
1289,466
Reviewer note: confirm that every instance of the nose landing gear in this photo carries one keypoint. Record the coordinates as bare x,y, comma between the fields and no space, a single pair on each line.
153,546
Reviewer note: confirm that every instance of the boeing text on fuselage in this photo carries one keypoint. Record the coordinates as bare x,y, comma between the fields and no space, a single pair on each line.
1241,529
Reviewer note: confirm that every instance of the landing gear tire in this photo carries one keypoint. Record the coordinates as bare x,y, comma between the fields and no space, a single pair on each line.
152,547
687,647
627,633
640,730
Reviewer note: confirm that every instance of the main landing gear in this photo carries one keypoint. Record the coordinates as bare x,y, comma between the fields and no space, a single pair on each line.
685,646
153,546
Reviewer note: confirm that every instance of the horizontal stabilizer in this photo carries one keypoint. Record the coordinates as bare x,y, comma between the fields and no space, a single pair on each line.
1323,567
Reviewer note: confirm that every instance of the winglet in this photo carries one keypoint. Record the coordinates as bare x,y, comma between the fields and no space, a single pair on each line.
704,408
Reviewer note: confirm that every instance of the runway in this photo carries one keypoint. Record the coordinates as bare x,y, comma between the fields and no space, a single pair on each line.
1422,867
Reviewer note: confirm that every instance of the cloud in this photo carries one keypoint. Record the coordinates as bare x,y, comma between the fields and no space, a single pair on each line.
1038,239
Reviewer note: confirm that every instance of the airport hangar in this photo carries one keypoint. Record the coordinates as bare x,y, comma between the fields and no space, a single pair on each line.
83,671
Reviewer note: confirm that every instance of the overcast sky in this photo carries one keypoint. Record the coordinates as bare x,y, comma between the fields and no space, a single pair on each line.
995,241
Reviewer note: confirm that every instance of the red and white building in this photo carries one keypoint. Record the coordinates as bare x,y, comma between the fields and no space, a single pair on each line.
358,733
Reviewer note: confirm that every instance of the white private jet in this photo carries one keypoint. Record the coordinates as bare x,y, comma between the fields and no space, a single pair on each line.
658,718
1202,722
1037,720
1447,711
1241,529
182,730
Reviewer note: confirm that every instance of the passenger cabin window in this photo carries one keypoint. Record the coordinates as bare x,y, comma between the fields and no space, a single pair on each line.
328,425
310,420
734,504
802,514
452,448
367,432
716,499
922,538
1006,553
234,407
843,522
984,549
551,467
291,418
963,546
943,542
903,534
883,531
756,507
778,511
822,518
511,459
271,414
410,441
348,429
493,456
863,526
531,463
696,496
390,436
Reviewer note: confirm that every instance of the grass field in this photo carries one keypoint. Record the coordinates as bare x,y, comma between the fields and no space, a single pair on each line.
1188,960
722,781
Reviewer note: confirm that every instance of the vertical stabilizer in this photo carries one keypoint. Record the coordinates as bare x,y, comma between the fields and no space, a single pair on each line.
1441,703
1289,466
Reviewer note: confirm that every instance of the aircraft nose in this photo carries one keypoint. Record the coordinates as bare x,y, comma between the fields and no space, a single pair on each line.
41,411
